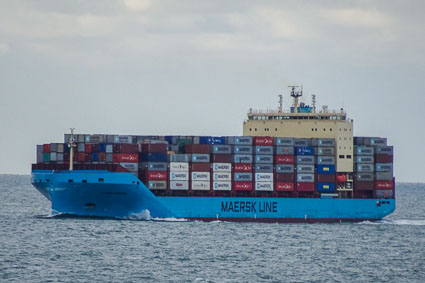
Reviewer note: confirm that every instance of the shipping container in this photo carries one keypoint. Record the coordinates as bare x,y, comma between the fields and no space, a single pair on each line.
200,185
323,142
242,149
179,176
179,185
201,158
95,156
179,157
389,150
264,177
305,169
87,148
155,166
284,142
197,148
384,176
109,148
384,185
94,138
301,142
305,178
221,149
201,167
158,176
364,168
46,148
247,177
222,167
325,151
123,139
239,140
81,138
284,168
241,167
386,194
265,150
222,186
200,176
284,150
53,156
109,138
242,186
284,159
364,150
221,158
266,159
364,185
222,176
364,159
153,157
304,150
284,177
40,157
326,160
212,140
264,186
325,178
264,168
305,159
151,147
364,177
132,167
109,157
325,187
263,141
126,157
325,169
384,167
305,187
375,141
102,156
53,147
80,147
383,158
242,158
179,166
157,185
284,186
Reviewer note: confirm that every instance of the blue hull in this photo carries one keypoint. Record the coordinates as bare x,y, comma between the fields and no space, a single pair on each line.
122,195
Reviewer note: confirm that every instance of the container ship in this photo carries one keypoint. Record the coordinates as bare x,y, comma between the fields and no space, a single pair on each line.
300,164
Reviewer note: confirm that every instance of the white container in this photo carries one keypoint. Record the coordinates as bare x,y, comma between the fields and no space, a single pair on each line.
157,185
222,176
123,139
222,186
200,176
179,176
264,177
132,167
179,185
264,186
201,185
179,166
222,167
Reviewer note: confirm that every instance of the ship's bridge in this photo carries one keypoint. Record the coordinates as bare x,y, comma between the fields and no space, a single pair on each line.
304,121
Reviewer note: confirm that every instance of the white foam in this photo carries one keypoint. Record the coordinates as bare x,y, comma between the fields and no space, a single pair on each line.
143,215
169,219
417,222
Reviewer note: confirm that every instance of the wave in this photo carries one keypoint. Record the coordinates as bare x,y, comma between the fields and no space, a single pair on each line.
416,222
169,219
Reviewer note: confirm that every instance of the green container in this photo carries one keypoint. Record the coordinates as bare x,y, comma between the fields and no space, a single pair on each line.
181,143
46,157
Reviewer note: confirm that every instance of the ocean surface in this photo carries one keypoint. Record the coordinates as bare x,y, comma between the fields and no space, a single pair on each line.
35,247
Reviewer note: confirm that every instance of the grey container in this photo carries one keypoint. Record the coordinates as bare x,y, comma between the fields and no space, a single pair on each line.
109,157
246,177
284,168
305,178
81,138
154,166
66,138
364,159
242,149
39,157
365,167
157,185
53,156
40,148
195,140
365,177
109,148
325,151
109,138
266,159
80,147
60,156
174,148
284,150
364,150
384,176
389,150
53,147
304,159
266,150
380,167
301,142
358,140
326,160
284,141
384,194
305,169
323,142
242,158
179,157
201,158
95,139
239,140
263,168
60,147
221,149
375,141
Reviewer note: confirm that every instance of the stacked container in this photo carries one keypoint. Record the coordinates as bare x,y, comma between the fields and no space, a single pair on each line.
153,165
284,161
325,160
304,153
200,175
242,159
263,164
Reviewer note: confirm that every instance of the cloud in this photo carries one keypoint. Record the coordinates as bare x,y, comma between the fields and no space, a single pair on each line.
137,5
353,17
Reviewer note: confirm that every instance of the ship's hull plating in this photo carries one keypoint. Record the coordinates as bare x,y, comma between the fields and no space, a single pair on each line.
122,195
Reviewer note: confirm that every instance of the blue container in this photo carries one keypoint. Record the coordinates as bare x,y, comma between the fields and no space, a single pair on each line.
325,187
102,147
66,147
169,139
246,177
325,169
95,156
212,140
153,157
304,150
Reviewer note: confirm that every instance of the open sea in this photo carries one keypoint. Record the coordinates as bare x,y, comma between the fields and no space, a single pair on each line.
35,247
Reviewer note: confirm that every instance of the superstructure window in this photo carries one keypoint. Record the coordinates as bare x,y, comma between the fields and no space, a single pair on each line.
341,156
349,156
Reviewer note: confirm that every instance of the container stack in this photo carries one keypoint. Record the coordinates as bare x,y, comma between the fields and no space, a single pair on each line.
263,164
304,169
284,161
325,160
153,166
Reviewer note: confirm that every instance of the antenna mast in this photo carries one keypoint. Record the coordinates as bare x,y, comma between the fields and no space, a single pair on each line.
71,144
280,103
313,101
295,95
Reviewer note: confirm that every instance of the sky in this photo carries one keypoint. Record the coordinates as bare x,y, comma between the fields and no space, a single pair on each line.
196,67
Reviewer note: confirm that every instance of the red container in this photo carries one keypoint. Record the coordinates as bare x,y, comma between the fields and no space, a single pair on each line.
284,159
384,185
242,186
383,158
95,147
154,147
221,158
87,147
156,176
201,167
364,185
325,178
263,141
87,157
242,167
125,148
80,157
46,148
284,186
284,177
126,157
306,187
197,148
102,156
